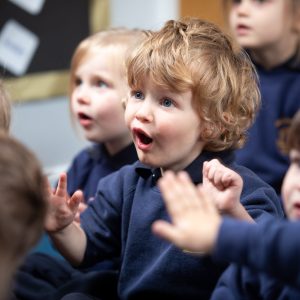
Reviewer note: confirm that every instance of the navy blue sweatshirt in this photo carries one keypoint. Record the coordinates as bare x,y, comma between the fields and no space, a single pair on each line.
269,248
280,92
93,163
118,224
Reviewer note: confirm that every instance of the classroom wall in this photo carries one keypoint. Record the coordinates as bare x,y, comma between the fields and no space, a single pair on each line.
44,125
209,10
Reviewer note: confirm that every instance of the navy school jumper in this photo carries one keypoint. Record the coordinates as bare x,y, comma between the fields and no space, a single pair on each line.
266,260
280,94
93,163
118,226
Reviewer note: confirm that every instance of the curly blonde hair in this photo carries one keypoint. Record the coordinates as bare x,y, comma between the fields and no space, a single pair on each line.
194,54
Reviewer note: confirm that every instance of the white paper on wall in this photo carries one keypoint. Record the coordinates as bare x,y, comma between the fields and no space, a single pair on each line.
31,6
17,47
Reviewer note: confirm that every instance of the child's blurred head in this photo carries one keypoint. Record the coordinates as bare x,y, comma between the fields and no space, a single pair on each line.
291,184
259,25
23,205
98,86
194,56
5,108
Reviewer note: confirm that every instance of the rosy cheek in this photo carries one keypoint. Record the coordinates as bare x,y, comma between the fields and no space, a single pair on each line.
73,106
127,118
285,195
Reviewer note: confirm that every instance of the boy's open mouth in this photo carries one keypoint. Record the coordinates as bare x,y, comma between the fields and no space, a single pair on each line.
142,137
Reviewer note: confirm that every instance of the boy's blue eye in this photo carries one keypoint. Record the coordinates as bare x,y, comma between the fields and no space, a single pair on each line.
167,102
138,95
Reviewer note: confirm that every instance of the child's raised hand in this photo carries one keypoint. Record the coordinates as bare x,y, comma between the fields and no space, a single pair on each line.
195,219
225,187
62,208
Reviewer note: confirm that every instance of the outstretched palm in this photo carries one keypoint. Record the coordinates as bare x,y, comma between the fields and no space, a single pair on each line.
62,207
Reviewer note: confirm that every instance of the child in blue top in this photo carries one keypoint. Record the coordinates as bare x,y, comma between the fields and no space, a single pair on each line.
192,98
270,32
271,247
97,89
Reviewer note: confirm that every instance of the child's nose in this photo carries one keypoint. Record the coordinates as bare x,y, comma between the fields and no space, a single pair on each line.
243,7
144,113
83,97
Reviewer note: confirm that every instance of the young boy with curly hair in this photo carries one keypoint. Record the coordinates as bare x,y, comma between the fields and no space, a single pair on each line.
192,97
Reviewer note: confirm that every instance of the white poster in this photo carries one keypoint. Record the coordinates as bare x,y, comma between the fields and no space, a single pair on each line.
17,47
31,6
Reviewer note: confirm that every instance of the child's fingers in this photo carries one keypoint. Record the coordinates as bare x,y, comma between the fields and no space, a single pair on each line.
219,175
61,189
226,179
82,207
218,179
206,201
189,191
211,174
210,170
164,230
170,192
177,191
77,218
75,200
232,179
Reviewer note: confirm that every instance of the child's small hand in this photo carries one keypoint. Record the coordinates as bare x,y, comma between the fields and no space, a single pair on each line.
223,185
81,208
195,219
62,208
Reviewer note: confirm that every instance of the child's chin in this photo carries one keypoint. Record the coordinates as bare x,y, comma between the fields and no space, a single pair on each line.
147,161
295,215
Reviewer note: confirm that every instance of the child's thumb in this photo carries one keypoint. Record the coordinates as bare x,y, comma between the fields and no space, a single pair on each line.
75,200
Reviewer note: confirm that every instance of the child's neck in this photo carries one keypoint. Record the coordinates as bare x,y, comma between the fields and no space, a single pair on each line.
270,57
115,146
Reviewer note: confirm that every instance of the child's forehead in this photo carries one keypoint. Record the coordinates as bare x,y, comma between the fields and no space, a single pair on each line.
106,55
157,84
109,51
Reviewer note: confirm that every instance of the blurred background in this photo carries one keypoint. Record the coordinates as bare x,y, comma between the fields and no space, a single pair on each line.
37,40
